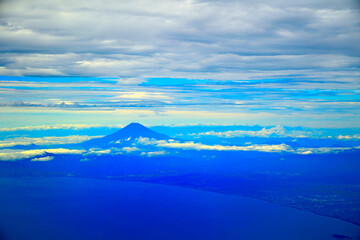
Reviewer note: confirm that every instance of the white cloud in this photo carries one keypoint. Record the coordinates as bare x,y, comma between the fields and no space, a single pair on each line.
97,151
10,154
42,159
154,153
199,146
142,95
13,154
349,137
322,150
45,140
130,149
277,131
255,147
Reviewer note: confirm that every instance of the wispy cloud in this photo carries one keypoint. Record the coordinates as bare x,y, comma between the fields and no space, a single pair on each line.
322,150
42,159
130,149
58,126
277,131
44,140
190,145
152,148
349,137
97,151
199,146
285,98
154,153
11,155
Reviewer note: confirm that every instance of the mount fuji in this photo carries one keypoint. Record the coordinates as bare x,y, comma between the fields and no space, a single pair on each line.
126,135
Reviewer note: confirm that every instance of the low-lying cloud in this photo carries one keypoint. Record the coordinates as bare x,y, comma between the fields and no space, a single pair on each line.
11,155
154,153
349,137
45,140
151,148
199,146
97,151
190,145
277,131
42,159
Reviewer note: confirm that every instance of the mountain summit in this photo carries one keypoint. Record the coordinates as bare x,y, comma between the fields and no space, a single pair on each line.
135,130
127,134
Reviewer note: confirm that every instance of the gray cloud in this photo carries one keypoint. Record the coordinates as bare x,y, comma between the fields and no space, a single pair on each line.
194,39
281,57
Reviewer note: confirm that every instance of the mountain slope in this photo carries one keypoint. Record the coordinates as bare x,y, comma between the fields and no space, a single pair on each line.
126,134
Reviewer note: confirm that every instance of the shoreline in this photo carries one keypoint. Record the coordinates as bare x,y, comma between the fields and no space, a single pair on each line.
261,199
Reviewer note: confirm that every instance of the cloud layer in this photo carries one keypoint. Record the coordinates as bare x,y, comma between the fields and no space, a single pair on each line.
295,61
57,126
190,145
277,131
194,39
12,155
44,140
152,147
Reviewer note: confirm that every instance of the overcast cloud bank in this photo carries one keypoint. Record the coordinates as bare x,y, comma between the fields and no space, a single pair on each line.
226,40
284,62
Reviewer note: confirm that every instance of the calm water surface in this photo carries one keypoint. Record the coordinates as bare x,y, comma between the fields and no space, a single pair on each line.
75,208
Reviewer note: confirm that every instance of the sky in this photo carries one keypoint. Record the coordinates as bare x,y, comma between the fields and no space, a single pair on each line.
269,63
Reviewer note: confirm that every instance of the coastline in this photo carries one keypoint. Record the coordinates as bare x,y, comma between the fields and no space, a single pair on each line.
199,189
253,197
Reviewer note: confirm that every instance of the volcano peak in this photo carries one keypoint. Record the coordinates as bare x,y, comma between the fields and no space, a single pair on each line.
131,131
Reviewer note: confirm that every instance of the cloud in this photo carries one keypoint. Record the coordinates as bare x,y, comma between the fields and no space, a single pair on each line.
323,150
349,137
152,147
58,126
142,95
254,147
130,149
154,153
281,57
97,151
277,131
199,146
42,159
193,39
11,155
45,140
289,101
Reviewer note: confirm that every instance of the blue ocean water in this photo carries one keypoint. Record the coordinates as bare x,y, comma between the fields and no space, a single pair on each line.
79,208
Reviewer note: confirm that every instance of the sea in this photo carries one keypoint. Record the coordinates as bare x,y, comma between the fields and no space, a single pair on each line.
79,209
